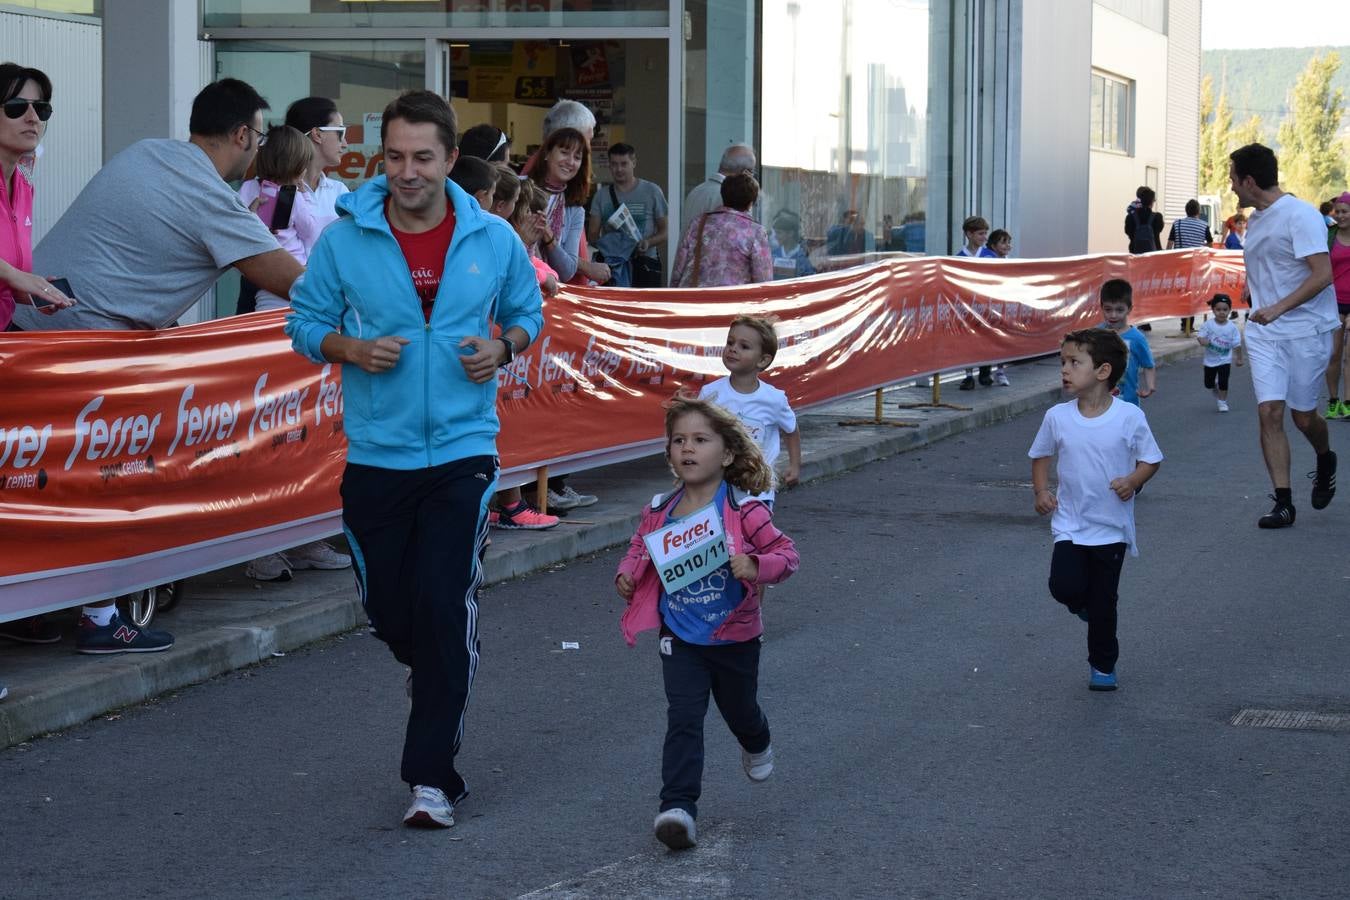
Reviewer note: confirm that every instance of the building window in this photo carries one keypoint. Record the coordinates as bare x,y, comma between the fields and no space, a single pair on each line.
1112,113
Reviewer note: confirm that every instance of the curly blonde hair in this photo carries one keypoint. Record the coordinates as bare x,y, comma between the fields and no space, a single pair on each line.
748,470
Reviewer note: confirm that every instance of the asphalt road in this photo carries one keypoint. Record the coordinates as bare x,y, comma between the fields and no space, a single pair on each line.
932,726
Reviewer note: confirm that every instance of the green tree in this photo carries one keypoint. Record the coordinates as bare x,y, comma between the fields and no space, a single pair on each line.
1218,138
1311,160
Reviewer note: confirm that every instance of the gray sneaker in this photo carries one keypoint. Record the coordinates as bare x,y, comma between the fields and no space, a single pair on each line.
272,567
568,498
675,828
758,766
430,809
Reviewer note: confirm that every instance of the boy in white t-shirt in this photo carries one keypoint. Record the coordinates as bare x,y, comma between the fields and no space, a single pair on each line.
762,408
1106,453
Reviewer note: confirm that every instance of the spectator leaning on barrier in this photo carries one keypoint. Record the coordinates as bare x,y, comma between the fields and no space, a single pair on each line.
421,444
155,228
1192,231
725,246
148,235
27,97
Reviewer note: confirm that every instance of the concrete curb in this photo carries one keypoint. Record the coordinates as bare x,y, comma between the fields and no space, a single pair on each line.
76,695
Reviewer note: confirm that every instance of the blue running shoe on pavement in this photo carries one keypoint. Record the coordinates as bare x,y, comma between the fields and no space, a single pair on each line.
119,636
1102,681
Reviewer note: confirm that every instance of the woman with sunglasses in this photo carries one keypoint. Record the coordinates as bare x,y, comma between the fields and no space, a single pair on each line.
27,98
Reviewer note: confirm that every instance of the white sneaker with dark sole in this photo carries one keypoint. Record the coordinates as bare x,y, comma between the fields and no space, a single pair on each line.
430,809
317,555
675,828
758,766
272,567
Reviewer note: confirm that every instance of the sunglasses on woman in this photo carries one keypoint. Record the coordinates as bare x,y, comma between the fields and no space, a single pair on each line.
16,108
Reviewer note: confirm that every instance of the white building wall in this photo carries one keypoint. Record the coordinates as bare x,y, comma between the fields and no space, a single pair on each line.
1127,50
1182,165
71,53
1051,166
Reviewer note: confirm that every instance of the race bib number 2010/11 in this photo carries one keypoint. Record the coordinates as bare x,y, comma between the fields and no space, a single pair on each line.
685,551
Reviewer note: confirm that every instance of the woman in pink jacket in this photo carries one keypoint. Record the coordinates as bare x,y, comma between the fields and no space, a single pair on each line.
695,569
27,98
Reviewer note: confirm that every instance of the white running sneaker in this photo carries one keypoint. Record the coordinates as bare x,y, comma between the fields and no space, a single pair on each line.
317,555
430,809
1001,377
568,498
675,828
272,567
4,692
758,766
1223,406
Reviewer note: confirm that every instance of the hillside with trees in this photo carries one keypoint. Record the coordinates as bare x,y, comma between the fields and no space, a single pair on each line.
1258,82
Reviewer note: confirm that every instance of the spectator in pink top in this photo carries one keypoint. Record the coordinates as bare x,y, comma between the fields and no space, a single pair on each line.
725,246
27,97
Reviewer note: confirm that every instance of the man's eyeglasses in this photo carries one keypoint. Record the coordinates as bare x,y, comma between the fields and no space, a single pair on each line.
339,130
262,136
17,107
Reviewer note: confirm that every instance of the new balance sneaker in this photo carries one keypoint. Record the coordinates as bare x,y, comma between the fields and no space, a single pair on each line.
1001,378
1324,480
1282,516
523,516
317,555
119,636
1223,406
272,567
32,630
568,498
1101,681
675,828
430,809
758,766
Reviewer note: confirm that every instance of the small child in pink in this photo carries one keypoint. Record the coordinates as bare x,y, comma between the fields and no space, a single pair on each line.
282,162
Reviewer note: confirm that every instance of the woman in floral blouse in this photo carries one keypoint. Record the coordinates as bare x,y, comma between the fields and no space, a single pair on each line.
725,246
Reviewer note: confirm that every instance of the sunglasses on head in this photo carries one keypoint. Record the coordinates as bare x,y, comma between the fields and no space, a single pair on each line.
336,129
17,107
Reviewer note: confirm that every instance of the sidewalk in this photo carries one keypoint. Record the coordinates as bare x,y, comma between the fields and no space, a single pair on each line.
227,621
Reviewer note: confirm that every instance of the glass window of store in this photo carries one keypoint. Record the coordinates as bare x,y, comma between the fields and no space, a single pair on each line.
434,13
845,119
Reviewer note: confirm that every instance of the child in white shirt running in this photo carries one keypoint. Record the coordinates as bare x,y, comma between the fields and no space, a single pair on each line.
763,409
1106,453
1223,347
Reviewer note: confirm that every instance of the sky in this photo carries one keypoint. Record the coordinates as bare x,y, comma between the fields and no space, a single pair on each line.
1244,24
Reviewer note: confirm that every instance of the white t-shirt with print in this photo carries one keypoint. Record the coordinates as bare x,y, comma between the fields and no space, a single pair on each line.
1280,238
1222,341
1093,453
764,413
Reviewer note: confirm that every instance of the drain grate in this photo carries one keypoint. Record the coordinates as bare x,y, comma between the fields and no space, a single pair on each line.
1300,720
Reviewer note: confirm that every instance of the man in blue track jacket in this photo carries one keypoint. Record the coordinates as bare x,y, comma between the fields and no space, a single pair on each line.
403,290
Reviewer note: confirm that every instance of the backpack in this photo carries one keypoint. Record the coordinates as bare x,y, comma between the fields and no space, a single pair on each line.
1140,229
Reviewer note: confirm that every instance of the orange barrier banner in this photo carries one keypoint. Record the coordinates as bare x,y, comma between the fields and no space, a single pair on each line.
129,459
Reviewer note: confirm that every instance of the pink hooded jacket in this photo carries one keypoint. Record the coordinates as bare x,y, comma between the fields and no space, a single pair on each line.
749,529
16,235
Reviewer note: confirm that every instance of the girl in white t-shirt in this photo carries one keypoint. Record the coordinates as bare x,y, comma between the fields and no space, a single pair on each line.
1105,453
1223,347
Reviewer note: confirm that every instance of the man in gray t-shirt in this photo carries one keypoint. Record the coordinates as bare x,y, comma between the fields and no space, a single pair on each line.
647,205
155,228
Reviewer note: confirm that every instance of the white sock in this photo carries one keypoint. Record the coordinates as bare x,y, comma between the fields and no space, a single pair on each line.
101,615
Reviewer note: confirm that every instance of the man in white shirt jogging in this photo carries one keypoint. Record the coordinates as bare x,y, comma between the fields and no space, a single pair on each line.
1289,331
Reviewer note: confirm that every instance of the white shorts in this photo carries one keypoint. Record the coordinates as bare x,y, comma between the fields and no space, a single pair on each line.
1289,370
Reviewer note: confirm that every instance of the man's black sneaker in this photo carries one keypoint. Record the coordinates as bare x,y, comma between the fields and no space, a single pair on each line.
119,636
32,630
968,383
1324,480
1282,516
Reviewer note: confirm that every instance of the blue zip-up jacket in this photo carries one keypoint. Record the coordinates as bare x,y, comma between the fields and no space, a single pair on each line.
425,411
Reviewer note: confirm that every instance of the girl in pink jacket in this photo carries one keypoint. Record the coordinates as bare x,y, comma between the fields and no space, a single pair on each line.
695,569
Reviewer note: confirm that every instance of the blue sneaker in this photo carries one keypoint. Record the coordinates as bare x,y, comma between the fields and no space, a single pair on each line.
1101,681
119,636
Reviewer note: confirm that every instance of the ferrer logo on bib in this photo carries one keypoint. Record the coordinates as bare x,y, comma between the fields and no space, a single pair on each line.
685,551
